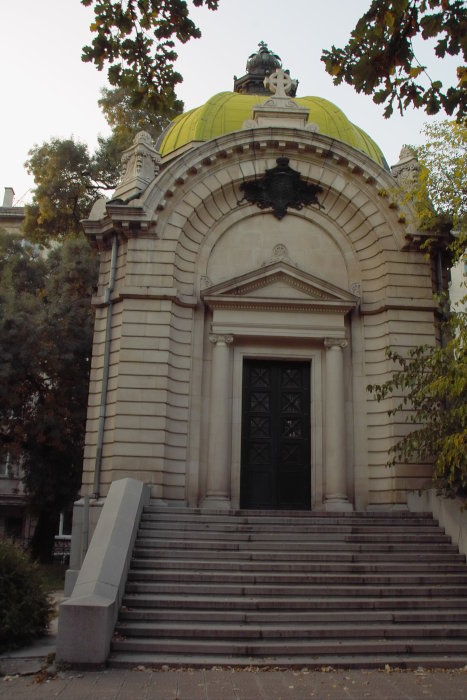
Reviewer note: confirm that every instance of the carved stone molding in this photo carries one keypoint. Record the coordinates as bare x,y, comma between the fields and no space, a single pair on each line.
205,282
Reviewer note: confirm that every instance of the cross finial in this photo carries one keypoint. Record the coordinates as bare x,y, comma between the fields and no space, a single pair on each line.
280,83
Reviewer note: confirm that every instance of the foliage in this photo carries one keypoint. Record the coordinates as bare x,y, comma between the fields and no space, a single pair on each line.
126,120
135,37
45,345
24,605
438,193
380,59
69,179
64,189
443,158
430,391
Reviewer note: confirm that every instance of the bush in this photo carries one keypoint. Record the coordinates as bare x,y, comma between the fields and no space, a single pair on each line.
25,607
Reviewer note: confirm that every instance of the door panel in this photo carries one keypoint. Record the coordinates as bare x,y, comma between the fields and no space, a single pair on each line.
276,470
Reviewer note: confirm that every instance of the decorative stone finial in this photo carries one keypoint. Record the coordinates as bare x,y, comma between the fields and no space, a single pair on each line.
140,165
407,169
281,84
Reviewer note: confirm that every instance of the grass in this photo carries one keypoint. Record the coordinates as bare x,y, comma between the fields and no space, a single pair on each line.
54,575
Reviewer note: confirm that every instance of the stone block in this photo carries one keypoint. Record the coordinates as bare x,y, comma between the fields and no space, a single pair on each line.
87,618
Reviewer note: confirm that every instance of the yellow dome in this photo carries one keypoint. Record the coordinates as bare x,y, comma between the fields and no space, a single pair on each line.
226,112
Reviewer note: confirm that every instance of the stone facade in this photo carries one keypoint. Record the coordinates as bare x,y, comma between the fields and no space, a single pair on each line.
202,281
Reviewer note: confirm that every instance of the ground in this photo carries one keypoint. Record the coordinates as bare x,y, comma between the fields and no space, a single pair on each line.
215,684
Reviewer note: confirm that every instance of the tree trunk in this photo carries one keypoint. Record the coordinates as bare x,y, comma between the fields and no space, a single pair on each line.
42,542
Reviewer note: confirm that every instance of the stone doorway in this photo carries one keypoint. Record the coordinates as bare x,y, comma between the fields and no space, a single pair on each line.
276,461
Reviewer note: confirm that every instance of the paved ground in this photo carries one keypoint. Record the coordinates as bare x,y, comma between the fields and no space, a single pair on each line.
144,684
29,674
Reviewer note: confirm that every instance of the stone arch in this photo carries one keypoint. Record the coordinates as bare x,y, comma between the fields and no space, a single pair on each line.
195,194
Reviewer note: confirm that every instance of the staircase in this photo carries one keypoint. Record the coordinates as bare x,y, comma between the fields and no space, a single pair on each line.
292,589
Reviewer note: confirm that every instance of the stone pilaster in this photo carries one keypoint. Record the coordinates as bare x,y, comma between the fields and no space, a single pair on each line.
335,456
220,424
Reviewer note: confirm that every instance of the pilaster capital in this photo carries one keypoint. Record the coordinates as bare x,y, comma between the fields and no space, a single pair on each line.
335,343
215,338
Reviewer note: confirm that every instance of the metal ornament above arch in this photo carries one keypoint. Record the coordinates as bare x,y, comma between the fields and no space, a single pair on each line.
280,188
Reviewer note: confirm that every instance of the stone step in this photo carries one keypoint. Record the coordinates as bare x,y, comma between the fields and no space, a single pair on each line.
305,555
314,589
294,567
321,545
192,601
183,512
380,616
301,631
323,661
305,590
291,527
202,576
308,647
340,535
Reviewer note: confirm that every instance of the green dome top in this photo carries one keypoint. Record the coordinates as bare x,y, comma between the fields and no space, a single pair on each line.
225,112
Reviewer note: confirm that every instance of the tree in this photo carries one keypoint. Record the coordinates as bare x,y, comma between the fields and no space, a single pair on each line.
380,58
438,196
69,179
430,389
64,191
135,38
46,326
125,121
443,158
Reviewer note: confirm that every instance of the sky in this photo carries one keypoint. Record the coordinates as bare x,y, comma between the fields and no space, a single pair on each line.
48,92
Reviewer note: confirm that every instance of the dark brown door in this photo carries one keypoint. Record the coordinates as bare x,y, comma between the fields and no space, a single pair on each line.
276,468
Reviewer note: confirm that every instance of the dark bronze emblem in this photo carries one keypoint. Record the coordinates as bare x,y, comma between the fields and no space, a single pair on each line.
280,188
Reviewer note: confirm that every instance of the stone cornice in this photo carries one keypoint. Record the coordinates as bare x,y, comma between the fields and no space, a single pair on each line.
125,219
161,293
393,304
273,304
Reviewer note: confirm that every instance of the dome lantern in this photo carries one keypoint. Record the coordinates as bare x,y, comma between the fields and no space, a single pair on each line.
259,66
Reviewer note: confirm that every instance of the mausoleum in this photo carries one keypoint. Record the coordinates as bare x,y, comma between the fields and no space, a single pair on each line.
254,268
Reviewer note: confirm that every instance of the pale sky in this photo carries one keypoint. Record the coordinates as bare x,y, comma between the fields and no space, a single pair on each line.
48,92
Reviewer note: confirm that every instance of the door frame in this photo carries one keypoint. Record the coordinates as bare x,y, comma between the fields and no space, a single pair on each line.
309,351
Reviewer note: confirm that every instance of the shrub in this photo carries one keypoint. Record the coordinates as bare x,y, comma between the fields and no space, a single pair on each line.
24,603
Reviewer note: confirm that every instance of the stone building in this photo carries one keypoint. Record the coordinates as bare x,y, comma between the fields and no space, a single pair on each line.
253,270
15,521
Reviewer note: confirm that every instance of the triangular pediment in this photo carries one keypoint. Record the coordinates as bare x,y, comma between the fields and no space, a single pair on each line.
279,283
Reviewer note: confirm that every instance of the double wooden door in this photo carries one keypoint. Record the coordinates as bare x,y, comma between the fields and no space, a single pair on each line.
276,465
